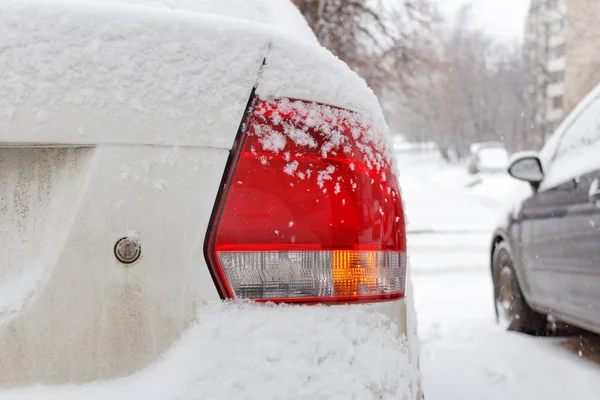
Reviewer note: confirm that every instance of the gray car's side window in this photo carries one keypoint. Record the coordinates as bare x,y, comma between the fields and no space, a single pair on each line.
577,151
584,132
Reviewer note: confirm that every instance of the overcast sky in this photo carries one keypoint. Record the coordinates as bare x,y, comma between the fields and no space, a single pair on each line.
502,18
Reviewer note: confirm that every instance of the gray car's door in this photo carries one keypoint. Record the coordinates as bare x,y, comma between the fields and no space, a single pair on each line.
546,240
563,224
579,291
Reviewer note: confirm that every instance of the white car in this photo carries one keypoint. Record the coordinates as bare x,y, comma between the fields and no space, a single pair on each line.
488,157
159,157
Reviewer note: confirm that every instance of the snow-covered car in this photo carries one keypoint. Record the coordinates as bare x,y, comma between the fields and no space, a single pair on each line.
545,259
488,157
179,181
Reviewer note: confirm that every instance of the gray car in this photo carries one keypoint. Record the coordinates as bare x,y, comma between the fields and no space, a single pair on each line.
545,258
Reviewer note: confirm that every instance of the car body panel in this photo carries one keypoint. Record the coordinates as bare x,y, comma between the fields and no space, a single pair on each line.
178,87
134,150
554,231
82,305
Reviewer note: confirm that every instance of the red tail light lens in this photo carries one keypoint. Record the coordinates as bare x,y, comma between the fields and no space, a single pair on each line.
310,211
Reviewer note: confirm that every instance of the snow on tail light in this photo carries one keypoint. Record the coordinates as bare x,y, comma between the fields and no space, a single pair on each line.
310,210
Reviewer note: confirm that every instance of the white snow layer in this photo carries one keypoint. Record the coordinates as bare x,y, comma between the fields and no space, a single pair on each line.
303,71
281,14
242,350
102,72
167,72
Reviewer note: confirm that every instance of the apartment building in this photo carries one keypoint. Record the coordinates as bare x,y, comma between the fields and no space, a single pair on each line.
582,68
562,46
544,50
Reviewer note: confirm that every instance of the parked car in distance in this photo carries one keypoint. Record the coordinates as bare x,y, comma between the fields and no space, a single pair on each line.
488,157
157,158
545,255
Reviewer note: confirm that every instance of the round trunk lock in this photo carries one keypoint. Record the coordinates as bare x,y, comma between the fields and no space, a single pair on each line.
127,250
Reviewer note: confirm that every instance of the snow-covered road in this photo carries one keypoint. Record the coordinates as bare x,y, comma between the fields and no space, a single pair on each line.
465,355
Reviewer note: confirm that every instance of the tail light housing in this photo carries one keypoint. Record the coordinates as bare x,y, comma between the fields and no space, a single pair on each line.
309,211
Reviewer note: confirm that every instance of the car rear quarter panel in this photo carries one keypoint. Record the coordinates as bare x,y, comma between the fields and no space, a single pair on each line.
109,72
86,316
157,130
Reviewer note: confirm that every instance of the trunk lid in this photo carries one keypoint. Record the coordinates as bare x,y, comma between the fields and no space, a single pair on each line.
93,72
116,121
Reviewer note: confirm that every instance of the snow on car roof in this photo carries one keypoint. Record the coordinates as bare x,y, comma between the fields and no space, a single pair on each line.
280,14
158,71
96,71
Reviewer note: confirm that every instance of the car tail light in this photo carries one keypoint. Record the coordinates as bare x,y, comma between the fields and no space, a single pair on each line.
310,210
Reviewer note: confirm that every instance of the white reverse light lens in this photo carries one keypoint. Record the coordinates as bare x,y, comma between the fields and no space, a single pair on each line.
320,275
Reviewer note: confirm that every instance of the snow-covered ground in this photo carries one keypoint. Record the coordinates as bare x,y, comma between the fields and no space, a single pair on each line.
247,351
464,354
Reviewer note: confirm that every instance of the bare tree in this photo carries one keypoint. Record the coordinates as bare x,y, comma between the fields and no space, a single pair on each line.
385,42
475,94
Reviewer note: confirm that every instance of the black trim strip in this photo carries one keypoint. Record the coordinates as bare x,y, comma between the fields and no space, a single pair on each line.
217,211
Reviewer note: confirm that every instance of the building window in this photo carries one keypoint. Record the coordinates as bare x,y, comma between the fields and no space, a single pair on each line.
557,51
557,26
557,77
557,102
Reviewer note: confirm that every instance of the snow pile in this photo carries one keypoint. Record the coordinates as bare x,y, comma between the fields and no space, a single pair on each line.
159,71
467,356
491,190
298,70
95,71
280,14
247,351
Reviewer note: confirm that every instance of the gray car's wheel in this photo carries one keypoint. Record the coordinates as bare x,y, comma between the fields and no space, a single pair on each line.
512,309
